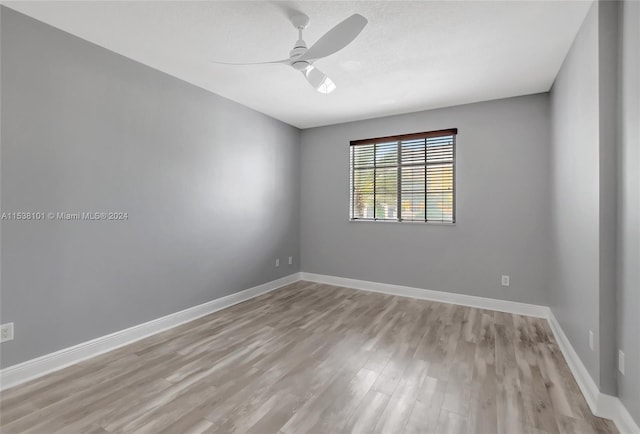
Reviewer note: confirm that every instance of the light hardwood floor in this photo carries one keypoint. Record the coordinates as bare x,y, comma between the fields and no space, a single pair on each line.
318,359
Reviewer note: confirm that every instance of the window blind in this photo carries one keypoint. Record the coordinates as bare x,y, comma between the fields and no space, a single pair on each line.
404,178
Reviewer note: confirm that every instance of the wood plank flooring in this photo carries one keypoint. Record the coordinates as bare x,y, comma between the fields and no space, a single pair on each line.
312,358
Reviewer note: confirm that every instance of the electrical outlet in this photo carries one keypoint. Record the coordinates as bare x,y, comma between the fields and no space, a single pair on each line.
277,262
591,340
290,260
6,332
621,362
505,280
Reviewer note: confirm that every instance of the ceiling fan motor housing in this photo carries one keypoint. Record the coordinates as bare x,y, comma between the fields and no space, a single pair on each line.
300,65
300,22
298,50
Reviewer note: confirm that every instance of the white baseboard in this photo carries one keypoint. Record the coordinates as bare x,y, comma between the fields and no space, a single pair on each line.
427,294
31,369
583,378
611,407
601,404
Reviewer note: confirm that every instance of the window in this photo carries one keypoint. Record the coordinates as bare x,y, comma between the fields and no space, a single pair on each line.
404,178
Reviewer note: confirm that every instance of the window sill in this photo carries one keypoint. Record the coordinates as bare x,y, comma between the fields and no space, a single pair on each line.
404,222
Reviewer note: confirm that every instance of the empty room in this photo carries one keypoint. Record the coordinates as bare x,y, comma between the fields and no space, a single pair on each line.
288,217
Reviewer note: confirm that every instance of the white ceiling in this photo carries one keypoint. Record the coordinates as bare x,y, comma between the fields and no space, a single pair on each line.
412,55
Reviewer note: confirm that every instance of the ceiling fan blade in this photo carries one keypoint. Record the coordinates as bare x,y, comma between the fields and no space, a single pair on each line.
337,38
252,63
319,80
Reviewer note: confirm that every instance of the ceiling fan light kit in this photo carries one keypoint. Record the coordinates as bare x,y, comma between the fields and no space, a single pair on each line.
318,80
301,58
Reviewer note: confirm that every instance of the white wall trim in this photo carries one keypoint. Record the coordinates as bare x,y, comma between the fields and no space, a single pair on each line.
601,404
583,378
427,294
34,368
611,407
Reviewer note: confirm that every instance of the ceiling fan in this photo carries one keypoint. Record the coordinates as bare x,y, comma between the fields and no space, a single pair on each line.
301,58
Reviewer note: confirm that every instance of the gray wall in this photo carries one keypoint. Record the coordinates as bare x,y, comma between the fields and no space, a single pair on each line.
629,206
211,189
502,205
575,194
584,193
608,192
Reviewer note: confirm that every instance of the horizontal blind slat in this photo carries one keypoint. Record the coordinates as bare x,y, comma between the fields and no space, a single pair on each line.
426,173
